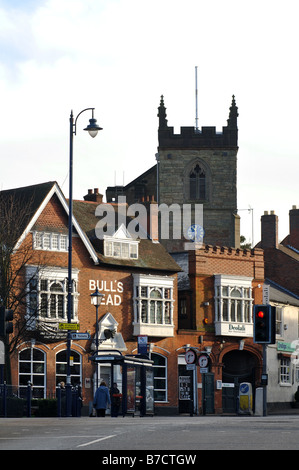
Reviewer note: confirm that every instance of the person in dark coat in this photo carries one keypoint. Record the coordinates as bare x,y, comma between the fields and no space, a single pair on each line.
101,399
115,401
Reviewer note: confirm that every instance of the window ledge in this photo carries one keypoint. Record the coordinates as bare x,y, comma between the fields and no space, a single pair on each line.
153,330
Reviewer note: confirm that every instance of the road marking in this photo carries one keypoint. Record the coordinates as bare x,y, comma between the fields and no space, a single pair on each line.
97,440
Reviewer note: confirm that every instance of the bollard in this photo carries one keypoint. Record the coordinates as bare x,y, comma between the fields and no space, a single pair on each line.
58,396
29,396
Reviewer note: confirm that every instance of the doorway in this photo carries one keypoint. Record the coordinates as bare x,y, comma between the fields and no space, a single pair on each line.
186,390
238,367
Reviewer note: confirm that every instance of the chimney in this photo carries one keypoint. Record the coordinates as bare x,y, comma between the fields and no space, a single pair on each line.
94,196
150,224
294,227
269,228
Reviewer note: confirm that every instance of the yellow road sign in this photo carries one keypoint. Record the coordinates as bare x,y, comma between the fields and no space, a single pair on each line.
69,326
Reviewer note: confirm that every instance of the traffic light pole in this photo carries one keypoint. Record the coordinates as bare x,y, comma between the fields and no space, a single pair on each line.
265,384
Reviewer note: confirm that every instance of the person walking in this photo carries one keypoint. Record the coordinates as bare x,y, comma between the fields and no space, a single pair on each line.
101,399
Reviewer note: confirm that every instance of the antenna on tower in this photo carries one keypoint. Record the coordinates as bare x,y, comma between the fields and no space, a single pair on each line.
196,100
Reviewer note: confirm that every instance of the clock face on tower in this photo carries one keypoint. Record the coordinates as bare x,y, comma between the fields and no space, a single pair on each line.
196,233
190,356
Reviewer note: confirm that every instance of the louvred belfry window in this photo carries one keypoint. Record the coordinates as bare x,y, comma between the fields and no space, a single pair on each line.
197,181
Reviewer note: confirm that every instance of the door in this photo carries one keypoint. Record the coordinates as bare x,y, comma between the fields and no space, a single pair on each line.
208,393
229,396
185,390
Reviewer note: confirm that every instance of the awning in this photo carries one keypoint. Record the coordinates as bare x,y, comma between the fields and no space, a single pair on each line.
115,357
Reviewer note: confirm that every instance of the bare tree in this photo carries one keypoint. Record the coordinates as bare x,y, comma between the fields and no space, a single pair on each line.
15,215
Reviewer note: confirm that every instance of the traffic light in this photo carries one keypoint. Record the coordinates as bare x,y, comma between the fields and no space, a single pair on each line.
264,324
6,317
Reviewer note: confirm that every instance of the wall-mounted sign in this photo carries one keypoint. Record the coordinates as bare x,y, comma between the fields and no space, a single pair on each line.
225,328
69,326
112,291
190,356
142,344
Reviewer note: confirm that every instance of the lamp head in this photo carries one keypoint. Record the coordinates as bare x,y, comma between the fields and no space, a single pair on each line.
96,297
93,127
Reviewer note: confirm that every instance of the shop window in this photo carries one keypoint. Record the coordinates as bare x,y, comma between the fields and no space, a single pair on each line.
32,368
61,368
160,377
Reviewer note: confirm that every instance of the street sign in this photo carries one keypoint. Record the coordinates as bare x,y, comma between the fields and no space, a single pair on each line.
142,344
69,326
79,336
203,360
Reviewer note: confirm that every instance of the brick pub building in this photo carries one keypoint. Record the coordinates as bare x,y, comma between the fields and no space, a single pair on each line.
211,313
195,300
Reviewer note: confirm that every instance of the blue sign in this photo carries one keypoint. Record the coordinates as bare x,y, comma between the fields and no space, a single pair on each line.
142,344
244,388
80,336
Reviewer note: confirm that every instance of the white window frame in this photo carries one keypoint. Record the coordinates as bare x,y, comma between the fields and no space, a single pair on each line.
116,248
121,245
165,378
149,294
61,377
50,241
285,372
225,286
32,373
53,275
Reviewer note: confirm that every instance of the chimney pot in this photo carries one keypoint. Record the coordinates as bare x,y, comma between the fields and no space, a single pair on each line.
294,227
269,229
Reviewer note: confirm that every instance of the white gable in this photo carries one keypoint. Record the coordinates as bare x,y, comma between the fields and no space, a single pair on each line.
122,233
56,190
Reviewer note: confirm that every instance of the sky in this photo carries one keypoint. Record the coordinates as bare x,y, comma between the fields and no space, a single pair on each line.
119,57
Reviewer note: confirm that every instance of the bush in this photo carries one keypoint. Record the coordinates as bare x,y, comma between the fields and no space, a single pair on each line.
46,407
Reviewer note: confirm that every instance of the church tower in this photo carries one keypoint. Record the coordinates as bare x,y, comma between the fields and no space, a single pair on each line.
199,166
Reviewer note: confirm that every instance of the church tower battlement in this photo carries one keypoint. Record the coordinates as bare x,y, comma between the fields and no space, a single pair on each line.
199,166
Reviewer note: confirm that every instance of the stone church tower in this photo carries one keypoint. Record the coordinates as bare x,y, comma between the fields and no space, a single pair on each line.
200,167
195,167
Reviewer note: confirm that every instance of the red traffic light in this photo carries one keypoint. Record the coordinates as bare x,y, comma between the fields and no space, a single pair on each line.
260,314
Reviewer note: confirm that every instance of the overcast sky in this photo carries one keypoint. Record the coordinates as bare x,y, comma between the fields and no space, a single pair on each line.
119,56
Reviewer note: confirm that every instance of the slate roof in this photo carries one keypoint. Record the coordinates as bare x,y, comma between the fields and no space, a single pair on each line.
29,197
152,256
281,295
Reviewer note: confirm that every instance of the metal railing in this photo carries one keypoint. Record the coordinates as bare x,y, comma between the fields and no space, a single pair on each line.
18,402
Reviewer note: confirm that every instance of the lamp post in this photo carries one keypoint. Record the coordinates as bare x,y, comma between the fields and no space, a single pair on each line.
93,129
96,299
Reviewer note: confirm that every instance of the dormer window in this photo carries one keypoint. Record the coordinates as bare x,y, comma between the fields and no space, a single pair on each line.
121,245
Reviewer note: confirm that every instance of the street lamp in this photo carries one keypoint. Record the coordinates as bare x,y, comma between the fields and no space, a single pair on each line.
96,299
93,129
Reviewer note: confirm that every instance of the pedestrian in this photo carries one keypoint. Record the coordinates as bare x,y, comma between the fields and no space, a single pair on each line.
115,400
101,399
